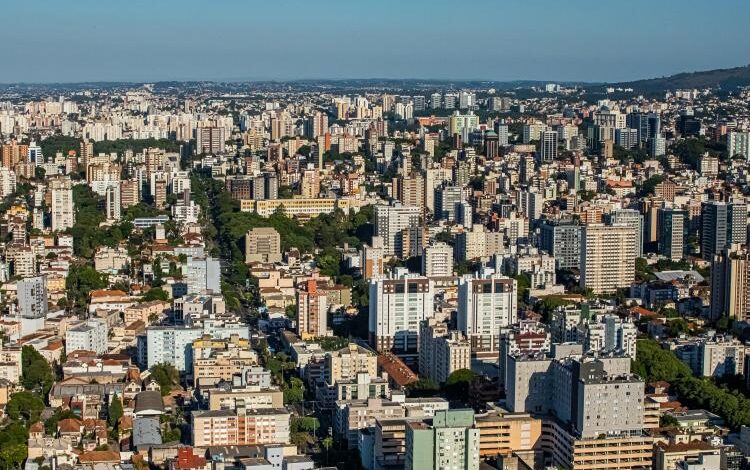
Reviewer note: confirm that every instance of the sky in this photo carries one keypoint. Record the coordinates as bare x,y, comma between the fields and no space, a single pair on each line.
51,41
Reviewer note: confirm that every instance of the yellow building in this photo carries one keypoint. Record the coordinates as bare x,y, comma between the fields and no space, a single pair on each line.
602,452
503,433
303,208
219,359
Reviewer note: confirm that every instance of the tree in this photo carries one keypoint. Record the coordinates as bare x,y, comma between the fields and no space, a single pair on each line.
81,281
25,405
36,372
294,392
167,376
305,424
667,421
291,311
115,411
50,424
327,443
156,293
457,385
12,456
423,387
524,283
653,363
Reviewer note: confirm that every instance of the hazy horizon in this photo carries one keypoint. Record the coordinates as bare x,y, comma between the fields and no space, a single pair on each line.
90,41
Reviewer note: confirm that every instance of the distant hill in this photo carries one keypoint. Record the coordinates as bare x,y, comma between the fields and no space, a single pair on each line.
719,78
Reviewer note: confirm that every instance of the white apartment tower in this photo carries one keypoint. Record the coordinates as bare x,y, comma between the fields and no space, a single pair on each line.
486,304
63,209
396,308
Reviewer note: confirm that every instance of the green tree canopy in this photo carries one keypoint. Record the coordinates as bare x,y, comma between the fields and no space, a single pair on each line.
36,372
167,376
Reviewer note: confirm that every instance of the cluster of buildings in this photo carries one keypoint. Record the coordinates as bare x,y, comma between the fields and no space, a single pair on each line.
524,238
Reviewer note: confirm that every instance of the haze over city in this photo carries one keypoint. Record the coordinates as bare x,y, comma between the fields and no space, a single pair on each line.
583,40
416,235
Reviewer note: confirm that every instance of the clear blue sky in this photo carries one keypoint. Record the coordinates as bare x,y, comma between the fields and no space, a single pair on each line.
148,40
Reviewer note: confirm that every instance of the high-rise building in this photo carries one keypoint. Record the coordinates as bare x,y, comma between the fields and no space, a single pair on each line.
312,310
658,146
611,334
316,125
372,259
673,230
437,260
32,297
446,199
441,351
462,124
310,184
210,139
467,99
396,308
547,146
533,131
738,144
410,189
449,441
563,241
389,223
203,274
486,304
160,192
502,134
129,193
632,218
14,153
263,244
491,145
722,224
63,209
530,203
436,100
607,257
450,101
113,201
86,152
626,138
8,182
730,284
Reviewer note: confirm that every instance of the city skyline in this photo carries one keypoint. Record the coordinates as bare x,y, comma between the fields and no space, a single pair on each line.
90,41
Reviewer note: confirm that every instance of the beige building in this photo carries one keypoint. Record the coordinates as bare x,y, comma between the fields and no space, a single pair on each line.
312,310
303,208
240,427
263,244
62,207
10,364
601,452
351,416
146,311
667,456
504,433
249,397
730,284
437,260
347,362
111,259
310,184
221,359
441,352
607,257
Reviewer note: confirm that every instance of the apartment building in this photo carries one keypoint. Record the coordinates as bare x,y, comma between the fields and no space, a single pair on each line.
240,427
